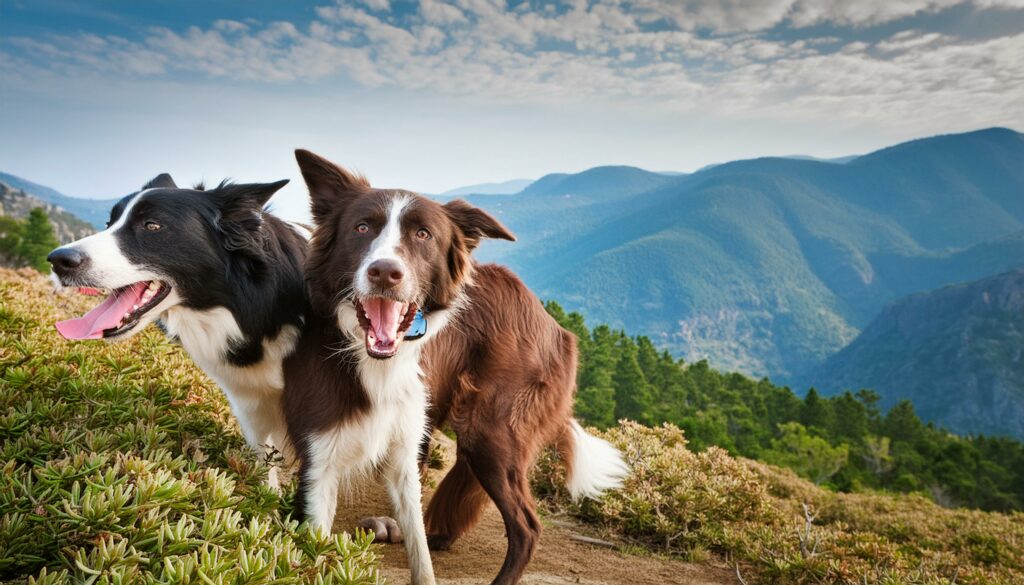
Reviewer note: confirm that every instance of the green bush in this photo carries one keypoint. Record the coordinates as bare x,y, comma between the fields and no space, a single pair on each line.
122,465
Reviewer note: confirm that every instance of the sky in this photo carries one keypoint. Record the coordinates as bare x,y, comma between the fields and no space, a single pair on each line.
96,97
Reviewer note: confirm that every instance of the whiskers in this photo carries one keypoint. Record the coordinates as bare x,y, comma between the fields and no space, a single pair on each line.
345,293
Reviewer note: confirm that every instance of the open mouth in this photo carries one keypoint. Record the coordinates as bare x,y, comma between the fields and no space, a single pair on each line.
118,313
384,322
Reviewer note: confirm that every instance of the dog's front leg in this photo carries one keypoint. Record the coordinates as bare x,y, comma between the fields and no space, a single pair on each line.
320,475
403,482
262,422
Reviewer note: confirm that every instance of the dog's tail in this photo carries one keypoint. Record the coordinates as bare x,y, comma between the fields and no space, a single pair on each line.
595,466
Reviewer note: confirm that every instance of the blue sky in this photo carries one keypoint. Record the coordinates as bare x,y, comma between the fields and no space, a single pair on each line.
96,97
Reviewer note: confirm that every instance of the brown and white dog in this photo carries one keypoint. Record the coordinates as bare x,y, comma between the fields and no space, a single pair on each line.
492,364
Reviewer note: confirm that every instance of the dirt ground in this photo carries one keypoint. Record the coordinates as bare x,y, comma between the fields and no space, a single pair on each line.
559,559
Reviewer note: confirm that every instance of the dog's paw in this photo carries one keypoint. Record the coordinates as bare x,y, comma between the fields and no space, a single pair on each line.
439,542
382,528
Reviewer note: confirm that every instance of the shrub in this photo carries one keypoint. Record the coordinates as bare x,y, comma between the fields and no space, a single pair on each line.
122,465
780,528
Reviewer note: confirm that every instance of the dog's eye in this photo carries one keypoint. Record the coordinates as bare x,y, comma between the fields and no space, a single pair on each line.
152,226
362,228
423,234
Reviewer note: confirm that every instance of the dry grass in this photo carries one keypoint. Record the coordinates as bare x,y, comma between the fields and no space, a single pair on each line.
779,528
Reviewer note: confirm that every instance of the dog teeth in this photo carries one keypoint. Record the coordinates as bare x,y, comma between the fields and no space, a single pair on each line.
153,285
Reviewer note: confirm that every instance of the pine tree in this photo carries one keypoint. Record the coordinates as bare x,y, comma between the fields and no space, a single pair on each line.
816,412
38,240
595,398
11,232
850,420
902,424
632,391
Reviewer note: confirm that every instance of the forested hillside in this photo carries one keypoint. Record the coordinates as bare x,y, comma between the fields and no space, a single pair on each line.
846,442
955,352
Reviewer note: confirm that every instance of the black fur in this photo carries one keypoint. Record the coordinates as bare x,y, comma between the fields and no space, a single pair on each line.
219,249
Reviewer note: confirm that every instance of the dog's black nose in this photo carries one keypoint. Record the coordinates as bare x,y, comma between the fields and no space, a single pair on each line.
65,260
385,273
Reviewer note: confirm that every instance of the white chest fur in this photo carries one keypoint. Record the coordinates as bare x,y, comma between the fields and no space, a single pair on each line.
254,391
398,402
207,337
358,446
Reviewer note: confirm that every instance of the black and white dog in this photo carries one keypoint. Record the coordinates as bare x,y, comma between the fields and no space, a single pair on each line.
217,273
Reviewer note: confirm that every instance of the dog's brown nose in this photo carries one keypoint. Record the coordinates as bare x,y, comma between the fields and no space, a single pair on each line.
385,273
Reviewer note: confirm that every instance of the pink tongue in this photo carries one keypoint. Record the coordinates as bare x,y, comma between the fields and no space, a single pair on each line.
106,316
385,317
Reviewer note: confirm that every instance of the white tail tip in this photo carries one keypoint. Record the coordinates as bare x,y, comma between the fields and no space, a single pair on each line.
597,466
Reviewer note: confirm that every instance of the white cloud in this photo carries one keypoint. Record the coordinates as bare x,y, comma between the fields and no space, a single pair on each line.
379,5
609,51
909,40
438,12
229,25
757,15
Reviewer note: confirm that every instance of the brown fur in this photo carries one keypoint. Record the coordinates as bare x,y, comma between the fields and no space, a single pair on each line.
502,373
502,377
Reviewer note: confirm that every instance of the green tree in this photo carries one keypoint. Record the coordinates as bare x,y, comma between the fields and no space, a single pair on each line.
623,376
850,418
816,412
632,392
38,240
595,397
877,454
901,423
811,457
11,232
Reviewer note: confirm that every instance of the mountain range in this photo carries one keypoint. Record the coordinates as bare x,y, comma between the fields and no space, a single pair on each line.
500,188
957,353
95,211
17,203
769,266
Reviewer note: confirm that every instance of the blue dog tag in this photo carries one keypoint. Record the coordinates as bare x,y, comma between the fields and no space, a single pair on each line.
418,328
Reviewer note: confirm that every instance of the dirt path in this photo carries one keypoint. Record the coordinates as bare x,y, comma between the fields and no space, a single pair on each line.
559,560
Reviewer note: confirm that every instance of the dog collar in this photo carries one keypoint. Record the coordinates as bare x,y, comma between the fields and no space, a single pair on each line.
418,328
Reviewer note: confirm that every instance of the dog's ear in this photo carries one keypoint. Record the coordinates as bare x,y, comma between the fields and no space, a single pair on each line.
475,223
471,225
329,185
161,181
241,212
